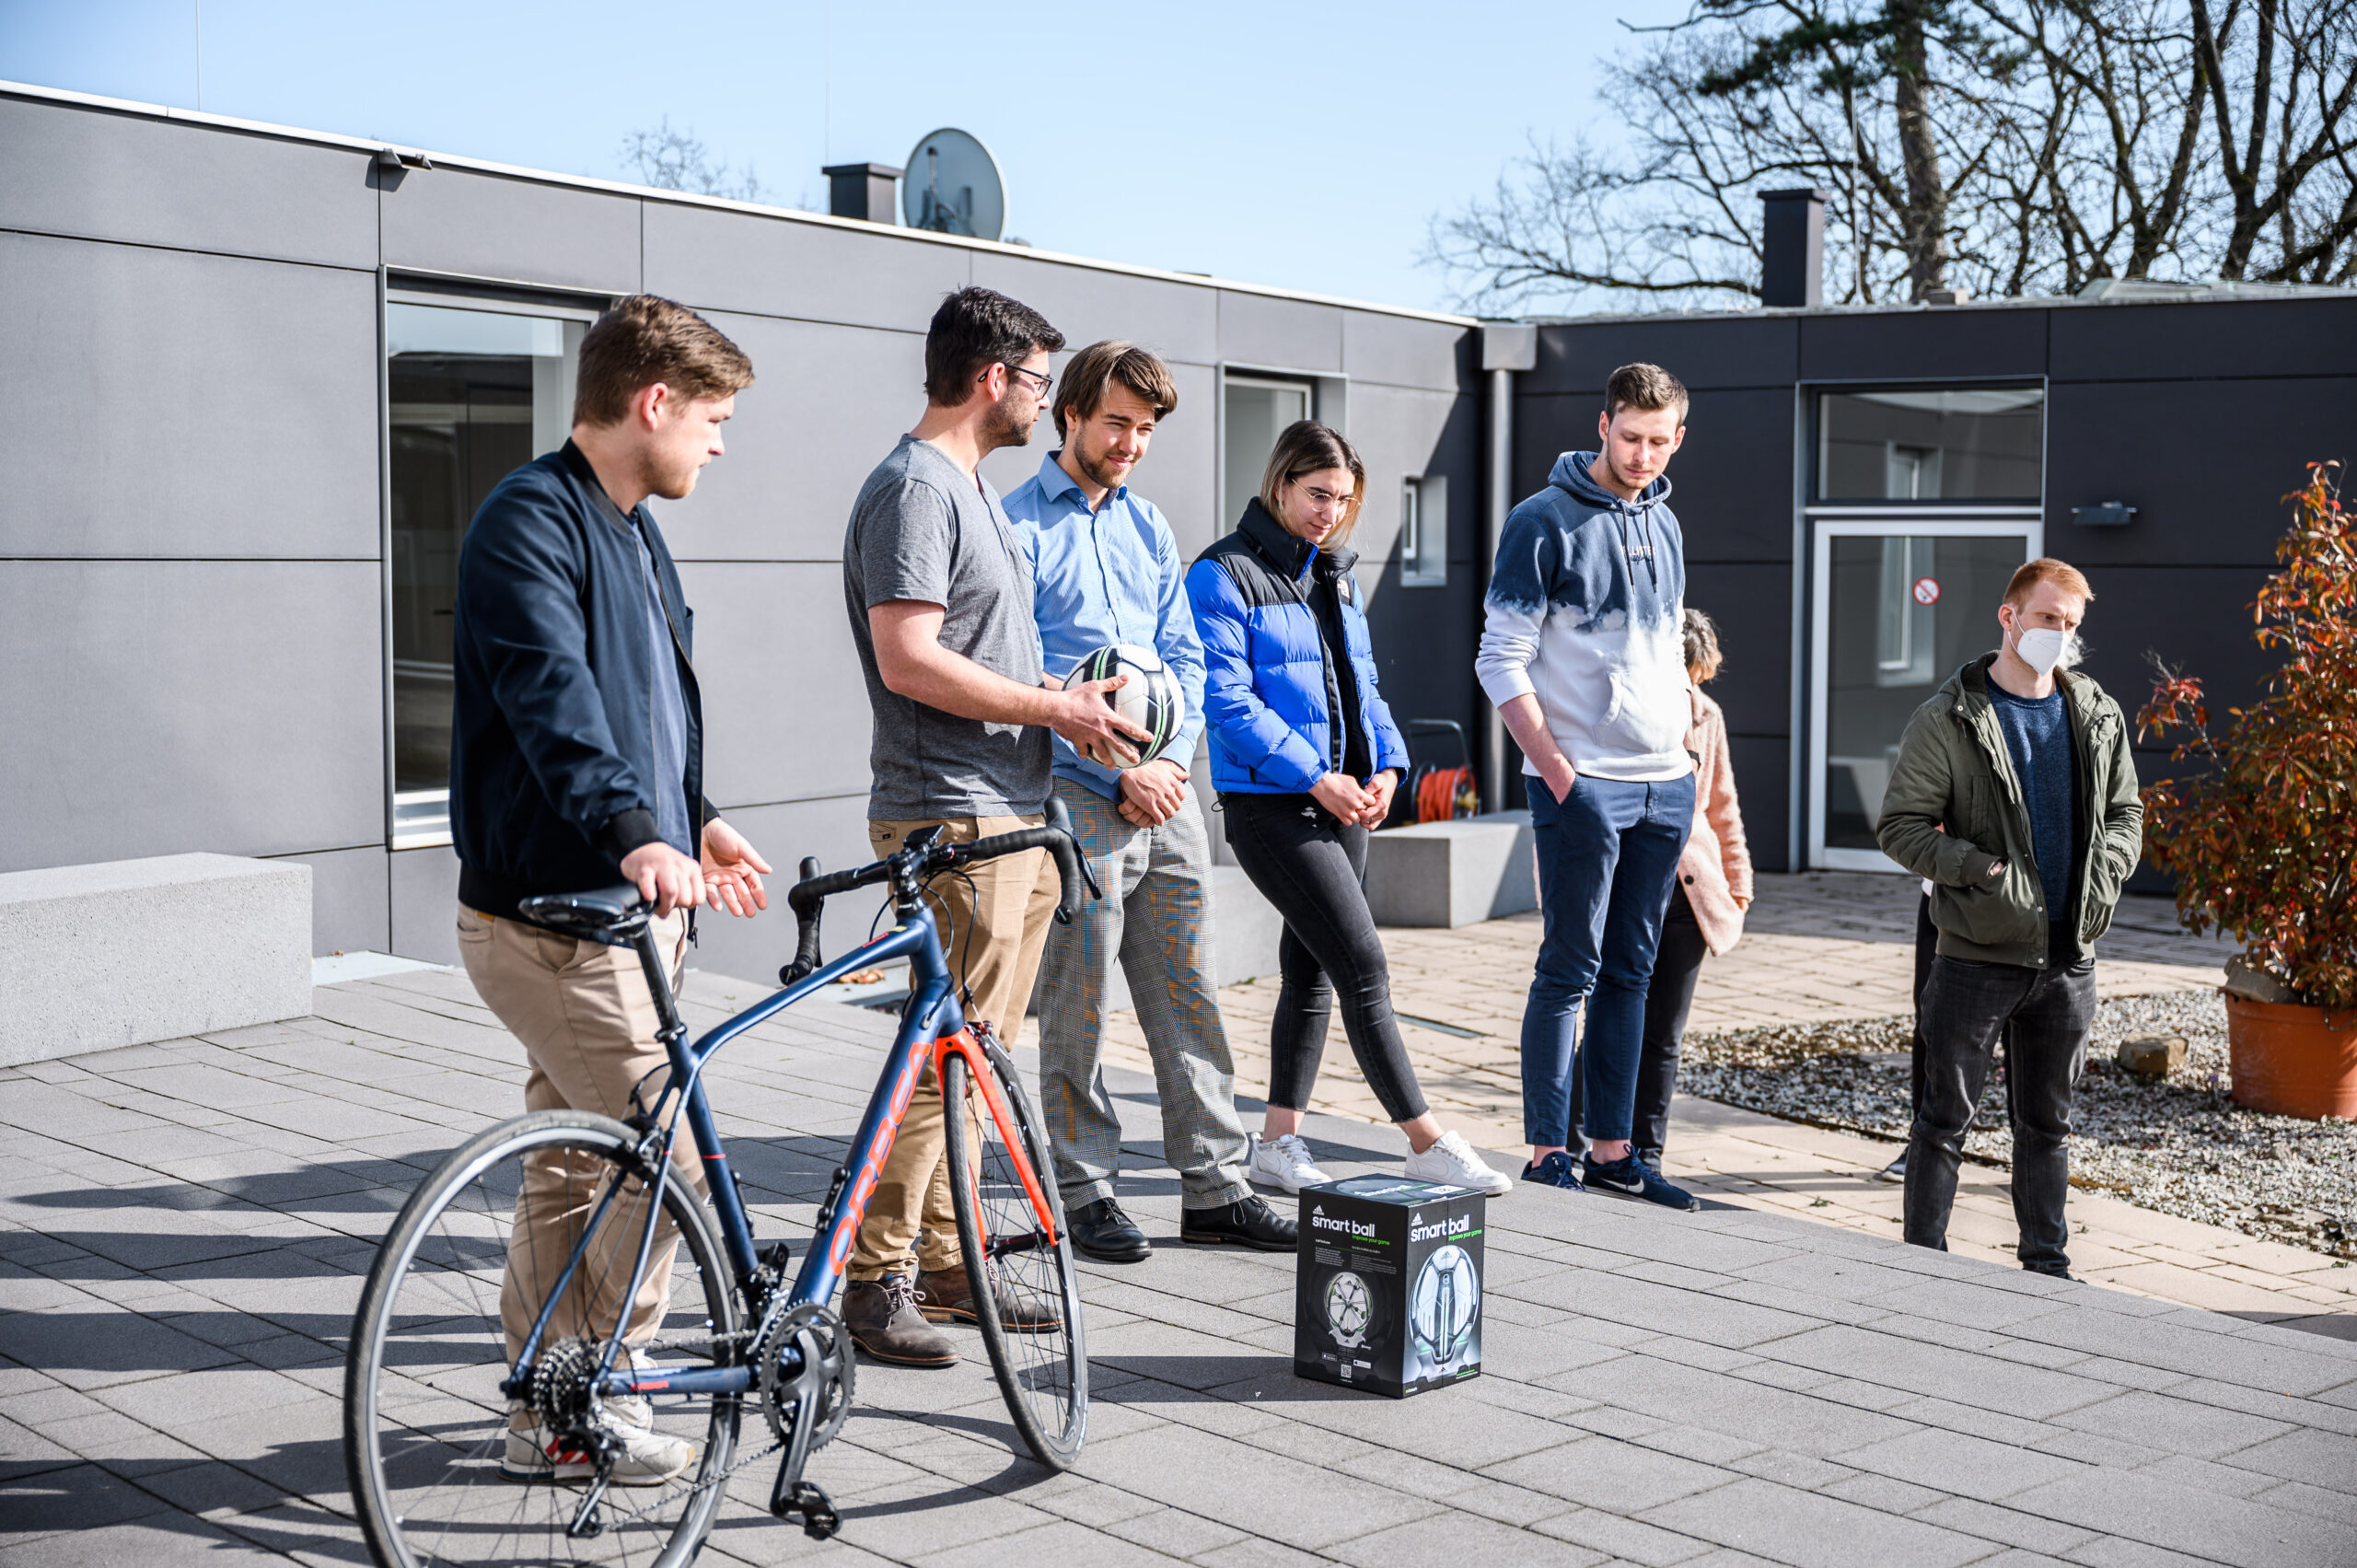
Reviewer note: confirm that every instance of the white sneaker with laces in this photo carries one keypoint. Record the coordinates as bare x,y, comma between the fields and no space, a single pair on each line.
648,1457
1451,1162
1282,1162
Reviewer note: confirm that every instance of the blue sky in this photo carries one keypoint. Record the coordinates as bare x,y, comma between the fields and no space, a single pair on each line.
1303,146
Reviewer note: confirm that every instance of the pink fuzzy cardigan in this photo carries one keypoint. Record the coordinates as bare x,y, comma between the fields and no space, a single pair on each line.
1716,867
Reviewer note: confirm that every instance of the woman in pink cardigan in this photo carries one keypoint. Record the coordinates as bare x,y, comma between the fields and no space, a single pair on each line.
1706,906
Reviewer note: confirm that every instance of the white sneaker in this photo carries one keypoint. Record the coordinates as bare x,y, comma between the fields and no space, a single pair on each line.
1282,1162
1451,1162
648,1459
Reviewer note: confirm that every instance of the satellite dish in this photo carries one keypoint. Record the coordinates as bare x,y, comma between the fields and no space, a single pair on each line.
953,186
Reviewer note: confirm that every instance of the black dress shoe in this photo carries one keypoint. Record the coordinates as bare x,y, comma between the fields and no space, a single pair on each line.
1247,1222
1101,1231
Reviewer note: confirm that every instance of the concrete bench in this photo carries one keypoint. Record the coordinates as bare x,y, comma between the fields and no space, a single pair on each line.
1452,873
94,957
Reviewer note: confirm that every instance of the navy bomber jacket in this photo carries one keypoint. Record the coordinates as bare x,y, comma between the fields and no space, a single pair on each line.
553,742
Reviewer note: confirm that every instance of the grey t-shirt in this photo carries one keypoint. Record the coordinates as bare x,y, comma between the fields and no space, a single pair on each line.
923,530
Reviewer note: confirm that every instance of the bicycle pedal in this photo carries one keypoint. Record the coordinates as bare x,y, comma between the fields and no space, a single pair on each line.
820,1519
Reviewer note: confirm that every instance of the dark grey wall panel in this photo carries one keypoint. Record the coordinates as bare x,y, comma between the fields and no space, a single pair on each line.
2196,619
1176,320
351,899
1404,351
233,706
826,406
1715,351
1731,483
1753,608
1285,334
446,220
74,170
164,404
1763,789
2203,462
834,831
1935,345
426,907
718,259
2233,337
785,709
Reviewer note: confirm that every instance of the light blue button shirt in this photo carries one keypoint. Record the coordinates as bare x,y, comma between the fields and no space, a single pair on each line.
1110,575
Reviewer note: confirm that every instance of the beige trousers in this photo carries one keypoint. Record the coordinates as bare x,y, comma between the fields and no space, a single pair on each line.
994,932
587,1024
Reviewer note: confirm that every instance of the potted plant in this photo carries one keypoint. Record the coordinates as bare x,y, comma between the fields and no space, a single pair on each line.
2263,841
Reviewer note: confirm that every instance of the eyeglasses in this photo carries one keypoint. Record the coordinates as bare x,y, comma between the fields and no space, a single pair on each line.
1045,381
1324,499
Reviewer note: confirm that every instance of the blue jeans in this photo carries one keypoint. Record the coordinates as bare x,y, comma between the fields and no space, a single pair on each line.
1607,859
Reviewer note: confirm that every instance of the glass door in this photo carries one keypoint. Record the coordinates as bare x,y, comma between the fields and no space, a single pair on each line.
1253,414
1899,604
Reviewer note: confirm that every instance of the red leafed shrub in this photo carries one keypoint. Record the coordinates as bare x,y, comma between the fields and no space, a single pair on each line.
2263,844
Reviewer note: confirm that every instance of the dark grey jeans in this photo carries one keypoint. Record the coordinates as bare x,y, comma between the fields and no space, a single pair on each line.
2043,1015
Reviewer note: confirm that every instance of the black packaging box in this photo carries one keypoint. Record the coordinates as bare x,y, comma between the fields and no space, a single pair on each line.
1388,1290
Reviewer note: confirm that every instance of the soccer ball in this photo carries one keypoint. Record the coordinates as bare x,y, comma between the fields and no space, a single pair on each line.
1151,699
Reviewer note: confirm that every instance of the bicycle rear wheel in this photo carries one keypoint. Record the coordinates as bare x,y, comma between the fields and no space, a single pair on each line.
1003,1234
427,1442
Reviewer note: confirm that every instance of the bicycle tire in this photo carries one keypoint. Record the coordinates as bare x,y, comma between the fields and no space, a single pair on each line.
1043,1374
421,1386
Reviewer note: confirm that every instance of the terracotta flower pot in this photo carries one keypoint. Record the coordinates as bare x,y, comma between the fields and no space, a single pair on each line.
2288,1063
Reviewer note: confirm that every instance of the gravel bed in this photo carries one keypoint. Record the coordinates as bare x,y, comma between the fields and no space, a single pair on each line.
2178,1145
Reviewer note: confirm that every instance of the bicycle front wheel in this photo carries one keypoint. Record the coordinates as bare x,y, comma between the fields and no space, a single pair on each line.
445,1467
1003,1192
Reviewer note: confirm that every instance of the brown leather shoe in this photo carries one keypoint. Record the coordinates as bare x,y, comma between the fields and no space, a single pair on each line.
946,1296
883,1319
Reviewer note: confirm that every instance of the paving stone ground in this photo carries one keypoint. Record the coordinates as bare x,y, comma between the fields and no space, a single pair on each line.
183,1227
1817,947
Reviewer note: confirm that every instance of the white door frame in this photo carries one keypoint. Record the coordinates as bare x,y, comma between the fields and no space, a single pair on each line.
2025,523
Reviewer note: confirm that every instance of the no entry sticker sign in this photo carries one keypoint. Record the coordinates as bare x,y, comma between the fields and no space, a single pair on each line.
1927,590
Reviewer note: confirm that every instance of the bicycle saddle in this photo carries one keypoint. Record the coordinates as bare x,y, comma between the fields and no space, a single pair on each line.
601,914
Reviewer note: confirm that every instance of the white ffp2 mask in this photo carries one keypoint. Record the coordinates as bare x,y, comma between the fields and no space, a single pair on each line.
2042,647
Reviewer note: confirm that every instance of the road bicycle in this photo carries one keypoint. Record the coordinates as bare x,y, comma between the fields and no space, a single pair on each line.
607,1364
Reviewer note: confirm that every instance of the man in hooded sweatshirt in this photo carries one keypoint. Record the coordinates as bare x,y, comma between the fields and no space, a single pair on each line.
1584,657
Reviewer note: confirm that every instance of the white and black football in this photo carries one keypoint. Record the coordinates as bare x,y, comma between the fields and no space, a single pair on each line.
1151,699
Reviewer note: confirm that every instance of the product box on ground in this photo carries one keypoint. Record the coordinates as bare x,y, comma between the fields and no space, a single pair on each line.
1388,1292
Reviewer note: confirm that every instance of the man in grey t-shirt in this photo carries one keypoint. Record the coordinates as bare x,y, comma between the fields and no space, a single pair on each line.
939,593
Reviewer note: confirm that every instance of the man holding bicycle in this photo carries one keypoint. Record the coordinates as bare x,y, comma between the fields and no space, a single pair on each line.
939,594
576,759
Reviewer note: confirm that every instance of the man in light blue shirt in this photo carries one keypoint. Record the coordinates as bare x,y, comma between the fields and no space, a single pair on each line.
1105,569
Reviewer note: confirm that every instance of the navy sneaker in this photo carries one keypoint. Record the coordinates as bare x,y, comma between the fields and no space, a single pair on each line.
1629,1177
1555,1171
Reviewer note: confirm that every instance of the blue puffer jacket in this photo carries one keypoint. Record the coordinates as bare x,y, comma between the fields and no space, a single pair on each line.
1270,690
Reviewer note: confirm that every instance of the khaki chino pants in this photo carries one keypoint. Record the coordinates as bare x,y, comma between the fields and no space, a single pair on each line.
587,1021
994,923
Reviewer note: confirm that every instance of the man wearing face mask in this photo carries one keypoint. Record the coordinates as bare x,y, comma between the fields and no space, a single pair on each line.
2015,794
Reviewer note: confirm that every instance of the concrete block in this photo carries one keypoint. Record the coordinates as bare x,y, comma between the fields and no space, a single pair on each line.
1452,873
136,950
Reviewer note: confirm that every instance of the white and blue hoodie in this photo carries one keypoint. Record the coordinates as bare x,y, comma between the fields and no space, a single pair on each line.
1585,612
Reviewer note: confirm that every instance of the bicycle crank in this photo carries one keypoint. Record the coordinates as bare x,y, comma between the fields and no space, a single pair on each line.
805,1366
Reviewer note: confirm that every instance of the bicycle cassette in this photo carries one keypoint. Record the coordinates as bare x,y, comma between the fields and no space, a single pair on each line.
805,1353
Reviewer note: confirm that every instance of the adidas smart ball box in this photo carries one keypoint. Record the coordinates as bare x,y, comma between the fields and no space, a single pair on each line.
1387,1297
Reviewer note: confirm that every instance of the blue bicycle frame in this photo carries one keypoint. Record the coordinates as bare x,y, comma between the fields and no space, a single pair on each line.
930,1022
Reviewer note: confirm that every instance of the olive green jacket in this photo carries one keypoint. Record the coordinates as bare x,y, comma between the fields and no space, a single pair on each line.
1953,808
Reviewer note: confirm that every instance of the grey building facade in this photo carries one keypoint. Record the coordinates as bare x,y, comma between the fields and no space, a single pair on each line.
254,377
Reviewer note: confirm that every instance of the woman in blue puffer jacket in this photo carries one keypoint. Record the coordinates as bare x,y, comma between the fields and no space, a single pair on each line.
1306,757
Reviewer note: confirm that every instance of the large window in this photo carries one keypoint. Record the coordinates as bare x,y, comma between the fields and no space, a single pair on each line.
1968,444
472,394
1256,413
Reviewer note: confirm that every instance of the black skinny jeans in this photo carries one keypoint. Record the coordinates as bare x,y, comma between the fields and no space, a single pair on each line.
1670,998
1312,868
2044,1016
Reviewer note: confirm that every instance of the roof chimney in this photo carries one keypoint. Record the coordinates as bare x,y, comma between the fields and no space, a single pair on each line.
863,190
1792,250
